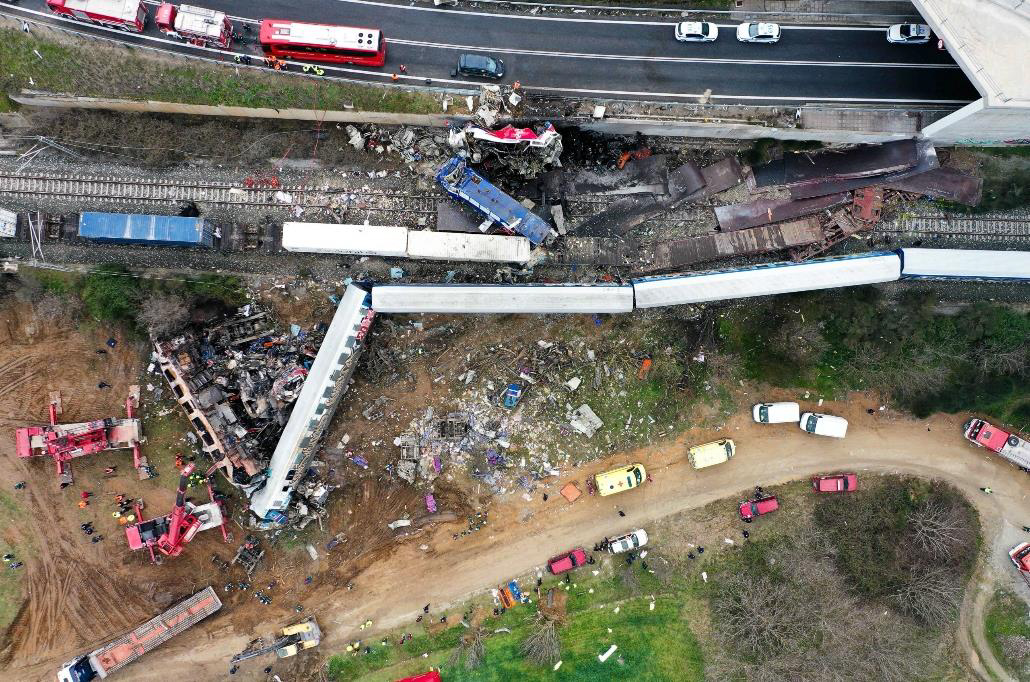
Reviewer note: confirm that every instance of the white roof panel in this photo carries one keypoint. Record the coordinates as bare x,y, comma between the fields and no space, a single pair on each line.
124,10
765,280
344,37
483,299
483,248
965,263
357,240
199,21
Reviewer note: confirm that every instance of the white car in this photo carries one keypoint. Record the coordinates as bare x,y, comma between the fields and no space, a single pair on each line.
625,543
758,32
911,34
824,424
696,31
776,413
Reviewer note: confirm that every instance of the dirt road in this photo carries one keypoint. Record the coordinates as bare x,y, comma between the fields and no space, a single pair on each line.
392,593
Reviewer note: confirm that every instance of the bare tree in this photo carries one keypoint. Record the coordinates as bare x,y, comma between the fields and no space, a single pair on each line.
542,646
762,617
163,314
1015,648
939,529
931,594
471,648
1009,361
52,307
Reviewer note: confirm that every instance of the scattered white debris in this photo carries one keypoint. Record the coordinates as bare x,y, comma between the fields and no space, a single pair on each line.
557,665
604,657
617,609
704,576
399,523
573,383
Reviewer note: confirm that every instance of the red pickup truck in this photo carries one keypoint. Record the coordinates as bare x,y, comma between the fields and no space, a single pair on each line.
835,483
749,509
568,561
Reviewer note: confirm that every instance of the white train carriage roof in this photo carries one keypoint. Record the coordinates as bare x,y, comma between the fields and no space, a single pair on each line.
358,240
485,299
764,280
481,248
965,264
200,21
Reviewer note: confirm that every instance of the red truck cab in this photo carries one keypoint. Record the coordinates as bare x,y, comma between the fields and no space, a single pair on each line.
749,509
568,561
835,483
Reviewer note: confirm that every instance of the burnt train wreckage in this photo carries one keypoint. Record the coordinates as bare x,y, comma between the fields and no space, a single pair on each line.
259,401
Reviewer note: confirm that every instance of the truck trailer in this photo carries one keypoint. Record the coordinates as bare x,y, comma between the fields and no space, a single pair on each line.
1008,445
158,230
119,653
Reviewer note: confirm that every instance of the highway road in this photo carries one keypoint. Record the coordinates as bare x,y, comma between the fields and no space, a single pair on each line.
608,57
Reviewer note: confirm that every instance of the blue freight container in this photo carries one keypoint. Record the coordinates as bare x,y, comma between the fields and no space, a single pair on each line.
129,228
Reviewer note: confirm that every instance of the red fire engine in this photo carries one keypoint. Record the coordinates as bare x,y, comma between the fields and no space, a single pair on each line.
127,15
195,25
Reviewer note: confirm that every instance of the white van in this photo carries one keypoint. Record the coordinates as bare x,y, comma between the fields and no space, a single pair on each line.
824,424
710,454
625,543
776,413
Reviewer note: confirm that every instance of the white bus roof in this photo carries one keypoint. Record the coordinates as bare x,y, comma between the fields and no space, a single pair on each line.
344,37
358,240
480,299
199,21
124,10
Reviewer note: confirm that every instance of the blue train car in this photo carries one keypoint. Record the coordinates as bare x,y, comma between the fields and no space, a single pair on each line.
463,183
161,230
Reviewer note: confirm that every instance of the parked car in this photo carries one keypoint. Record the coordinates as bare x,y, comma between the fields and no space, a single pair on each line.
696,31
618,480
835,483
824,424
758,32
909,34
568,561
710,454
479,66
749,509
776,413
627,542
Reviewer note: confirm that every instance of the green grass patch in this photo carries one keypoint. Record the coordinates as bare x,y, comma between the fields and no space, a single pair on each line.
11,514
101,71
1008,617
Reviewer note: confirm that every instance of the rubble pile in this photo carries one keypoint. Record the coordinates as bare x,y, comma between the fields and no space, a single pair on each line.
237,380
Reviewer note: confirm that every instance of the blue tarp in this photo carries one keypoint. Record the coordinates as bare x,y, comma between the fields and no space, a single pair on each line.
128,228
463,183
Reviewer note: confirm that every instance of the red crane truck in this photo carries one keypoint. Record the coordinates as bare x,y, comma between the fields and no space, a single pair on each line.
144,639
1008,445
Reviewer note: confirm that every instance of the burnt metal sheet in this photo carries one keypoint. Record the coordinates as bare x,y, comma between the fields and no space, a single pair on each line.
686,180
859,162
621,217
765,211
597,251
646,174
927,161
722,175
943,183
738,243
451,217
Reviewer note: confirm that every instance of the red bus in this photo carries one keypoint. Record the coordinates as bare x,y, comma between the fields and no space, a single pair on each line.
322,42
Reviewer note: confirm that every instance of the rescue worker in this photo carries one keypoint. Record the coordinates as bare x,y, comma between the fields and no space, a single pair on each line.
987,490
402,68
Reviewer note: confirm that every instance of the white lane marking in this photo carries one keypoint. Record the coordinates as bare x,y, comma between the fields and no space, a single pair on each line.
750,98
364,72
681,60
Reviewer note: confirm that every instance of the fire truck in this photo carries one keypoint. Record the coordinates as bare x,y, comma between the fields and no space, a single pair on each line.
195,25
127,15
1020,555
1008,445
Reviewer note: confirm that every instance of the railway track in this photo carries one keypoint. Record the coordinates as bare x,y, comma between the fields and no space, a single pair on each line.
982,228
137,191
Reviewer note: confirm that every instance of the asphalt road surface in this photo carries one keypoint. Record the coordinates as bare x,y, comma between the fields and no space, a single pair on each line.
392,592
612,58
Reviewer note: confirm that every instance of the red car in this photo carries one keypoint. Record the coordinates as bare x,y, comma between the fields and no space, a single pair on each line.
568,561
749,509
835,483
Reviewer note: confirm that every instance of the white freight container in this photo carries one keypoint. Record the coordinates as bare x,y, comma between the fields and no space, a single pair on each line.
484,248
390,241
964,264
519,298
8,223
